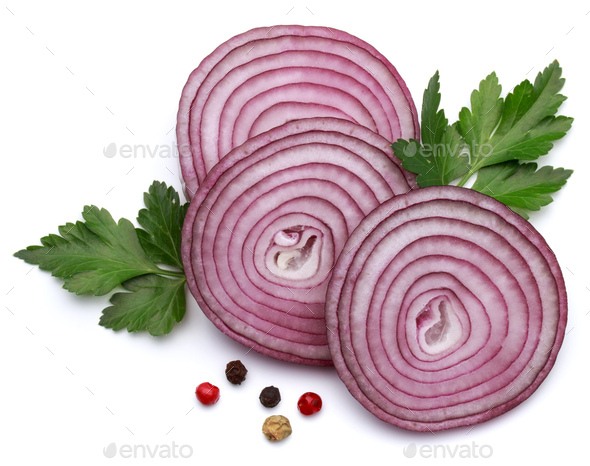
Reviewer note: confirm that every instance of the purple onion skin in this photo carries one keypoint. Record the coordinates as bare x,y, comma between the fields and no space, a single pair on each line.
384,373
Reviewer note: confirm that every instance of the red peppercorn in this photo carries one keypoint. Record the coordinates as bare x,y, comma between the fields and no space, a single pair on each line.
309,403
207,393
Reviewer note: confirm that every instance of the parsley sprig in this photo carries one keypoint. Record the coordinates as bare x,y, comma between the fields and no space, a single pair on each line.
495,138
97,255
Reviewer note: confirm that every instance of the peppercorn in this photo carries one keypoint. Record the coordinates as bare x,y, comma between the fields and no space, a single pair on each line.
270,396
276,428
207,393
235,372
309,403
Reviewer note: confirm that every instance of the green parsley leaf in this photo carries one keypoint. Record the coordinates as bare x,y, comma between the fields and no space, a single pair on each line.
99,254
414,159
453,160
491,138
92,257
153,303
440,158
521,186
434,121
520,128
478,124
162,225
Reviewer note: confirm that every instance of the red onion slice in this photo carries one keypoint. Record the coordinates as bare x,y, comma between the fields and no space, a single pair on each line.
263,233
266,67
283,112
445,309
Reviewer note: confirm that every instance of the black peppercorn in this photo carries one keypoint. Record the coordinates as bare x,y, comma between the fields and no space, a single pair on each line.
270,396
235,372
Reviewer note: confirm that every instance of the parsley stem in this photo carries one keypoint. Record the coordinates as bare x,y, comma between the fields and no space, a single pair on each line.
170,273
465,178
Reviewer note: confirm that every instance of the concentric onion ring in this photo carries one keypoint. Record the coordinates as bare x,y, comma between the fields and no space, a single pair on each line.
445,309
267,76
263,233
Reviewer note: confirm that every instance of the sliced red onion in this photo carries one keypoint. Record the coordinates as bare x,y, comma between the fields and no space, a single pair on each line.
445,309
318,71
283,112
263,233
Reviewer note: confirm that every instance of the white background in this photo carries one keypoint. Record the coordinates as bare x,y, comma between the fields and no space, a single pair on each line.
76,78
